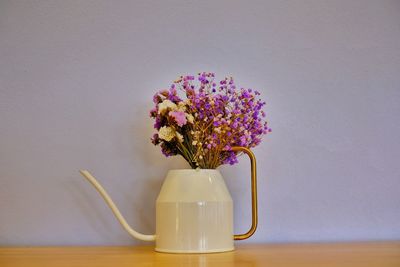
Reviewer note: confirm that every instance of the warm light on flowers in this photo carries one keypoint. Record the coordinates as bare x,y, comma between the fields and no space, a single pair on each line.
165,105
166,133
205,119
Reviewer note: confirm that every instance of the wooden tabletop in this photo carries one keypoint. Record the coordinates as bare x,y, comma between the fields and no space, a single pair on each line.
379,254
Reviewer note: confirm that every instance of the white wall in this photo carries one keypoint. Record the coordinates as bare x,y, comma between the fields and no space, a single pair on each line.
76,81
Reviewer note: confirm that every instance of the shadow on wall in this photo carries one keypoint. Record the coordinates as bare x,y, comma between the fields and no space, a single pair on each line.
83,201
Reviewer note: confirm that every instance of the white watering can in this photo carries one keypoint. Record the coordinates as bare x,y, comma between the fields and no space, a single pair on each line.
194,211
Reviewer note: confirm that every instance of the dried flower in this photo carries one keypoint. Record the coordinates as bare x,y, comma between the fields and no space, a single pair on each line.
165,105
166,133
179,117
207,120
179,136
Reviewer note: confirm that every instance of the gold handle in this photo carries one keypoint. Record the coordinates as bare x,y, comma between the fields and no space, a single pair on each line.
254,215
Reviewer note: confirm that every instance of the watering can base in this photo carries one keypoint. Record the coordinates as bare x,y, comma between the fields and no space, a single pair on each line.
173,251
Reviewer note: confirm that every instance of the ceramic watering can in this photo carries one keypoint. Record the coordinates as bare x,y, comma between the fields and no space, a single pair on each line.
194,211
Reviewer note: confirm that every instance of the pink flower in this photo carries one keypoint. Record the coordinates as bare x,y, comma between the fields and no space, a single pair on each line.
179,117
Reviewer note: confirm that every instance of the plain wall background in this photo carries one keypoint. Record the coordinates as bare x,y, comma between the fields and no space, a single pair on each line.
76,85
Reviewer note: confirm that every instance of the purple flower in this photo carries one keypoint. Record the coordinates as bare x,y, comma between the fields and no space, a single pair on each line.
157,124
155,139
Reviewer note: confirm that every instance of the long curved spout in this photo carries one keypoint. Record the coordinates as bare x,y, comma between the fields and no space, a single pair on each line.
114,208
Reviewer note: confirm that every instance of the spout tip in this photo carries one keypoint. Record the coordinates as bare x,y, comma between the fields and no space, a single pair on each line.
88,176
85,173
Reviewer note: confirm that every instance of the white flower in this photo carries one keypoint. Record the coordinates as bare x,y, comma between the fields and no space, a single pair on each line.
182,106
166,133
194,143
189,118
179,136
163,106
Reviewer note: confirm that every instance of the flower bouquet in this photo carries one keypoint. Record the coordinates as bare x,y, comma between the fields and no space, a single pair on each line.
202,119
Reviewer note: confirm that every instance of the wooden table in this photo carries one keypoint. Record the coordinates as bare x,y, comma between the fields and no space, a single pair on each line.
379,254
